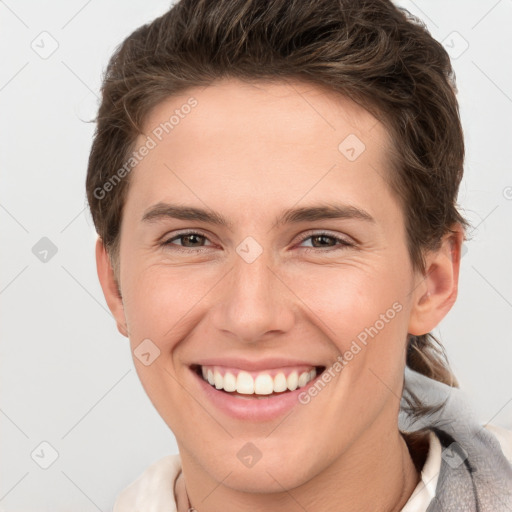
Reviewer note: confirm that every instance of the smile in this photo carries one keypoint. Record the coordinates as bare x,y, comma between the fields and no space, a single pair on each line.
253,391
262,383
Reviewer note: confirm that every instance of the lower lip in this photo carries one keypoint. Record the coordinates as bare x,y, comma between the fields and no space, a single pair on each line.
252,409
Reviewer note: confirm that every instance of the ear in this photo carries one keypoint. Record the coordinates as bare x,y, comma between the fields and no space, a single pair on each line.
110,287
435,292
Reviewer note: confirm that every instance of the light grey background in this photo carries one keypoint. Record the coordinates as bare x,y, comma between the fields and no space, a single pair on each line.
67,377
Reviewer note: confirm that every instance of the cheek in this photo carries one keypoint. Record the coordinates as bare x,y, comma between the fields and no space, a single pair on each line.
162,303
363,313
347,300
161,306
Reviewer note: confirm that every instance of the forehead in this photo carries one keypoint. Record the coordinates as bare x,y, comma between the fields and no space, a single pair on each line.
300,110
261,140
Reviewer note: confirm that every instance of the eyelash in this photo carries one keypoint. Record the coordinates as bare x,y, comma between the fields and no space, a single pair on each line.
343,243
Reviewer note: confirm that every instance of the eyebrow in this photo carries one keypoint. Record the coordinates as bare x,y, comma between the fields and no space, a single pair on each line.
290,216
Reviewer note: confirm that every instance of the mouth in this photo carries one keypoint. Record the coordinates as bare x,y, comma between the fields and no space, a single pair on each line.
264,384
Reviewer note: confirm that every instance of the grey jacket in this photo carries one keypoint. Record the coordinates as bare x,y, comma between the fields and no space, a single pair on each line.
475,475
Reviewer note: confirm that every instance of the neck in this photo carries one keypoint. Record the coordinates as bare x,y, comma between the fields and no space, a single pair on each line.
382,482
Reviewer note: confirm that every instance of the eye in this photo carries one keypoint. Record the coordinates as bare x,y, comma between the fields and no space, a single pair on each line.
326,240
192,240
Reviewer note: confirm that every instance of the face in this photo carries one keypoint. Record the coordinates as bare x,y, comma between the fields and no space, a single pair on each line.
262,245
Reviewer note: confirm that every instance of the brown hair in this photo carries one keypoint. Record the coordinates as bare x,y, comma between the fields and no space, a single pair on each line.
370,51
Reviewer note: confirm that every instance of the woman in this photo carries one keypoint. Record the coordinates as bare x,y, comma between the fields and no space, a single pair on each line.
274,187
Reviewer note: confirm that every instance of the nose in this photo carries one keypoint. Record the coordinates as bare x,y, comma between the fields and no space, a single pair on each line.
254,303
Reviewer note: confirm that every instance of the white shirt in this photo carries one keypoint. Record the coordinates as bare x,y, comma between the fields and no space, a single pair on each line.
153,490
426,488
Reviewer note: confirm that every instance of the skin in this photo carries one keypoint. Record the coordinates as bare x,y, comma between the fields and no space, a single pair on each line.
250,151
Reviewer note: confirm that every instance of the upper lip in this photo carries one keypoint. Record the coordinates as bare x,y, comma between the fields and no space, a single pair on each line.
255,366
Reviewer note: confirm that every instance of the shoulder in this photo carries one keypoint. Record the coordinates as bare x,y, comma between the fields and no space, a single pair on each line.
504,437
153,490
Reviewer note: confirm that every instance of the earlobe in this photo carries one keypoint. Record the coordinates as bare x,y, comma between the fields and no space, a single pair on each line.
110,287
436,291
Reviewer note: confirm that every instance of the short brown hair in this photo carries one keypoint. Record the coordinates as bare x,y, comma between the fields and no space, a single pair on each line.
370,51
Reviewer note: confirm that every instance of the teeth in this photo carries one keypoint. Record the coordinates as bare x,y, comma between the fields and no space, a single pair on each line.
218,380
263,384
293,381
245,383
229,382
303,379
280,383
